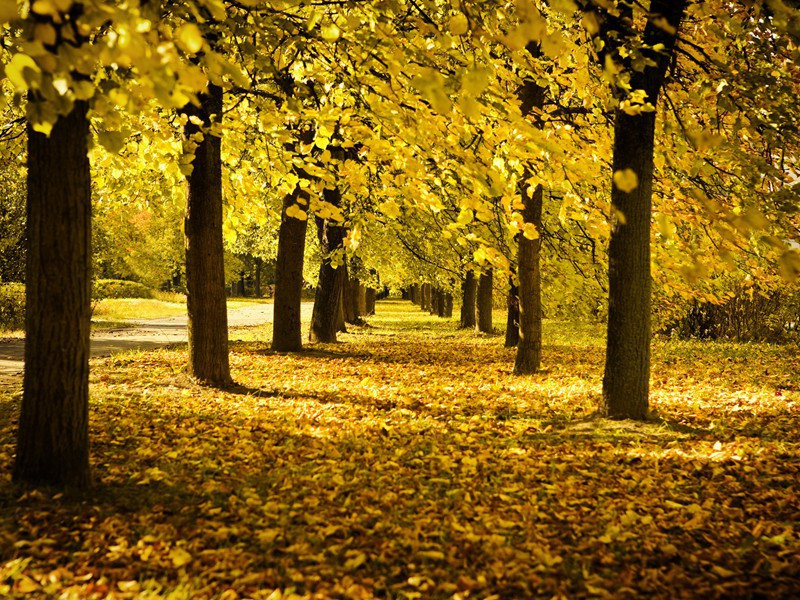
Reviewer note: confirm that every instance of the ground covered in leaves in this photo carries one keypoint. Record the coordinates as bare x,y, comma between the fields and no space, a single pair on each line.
407,462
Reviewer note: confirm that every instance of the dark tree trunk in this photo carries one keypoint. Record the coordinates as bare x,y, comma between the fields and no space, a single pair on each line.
529,294
341,325
529,347
205,269
448,305
370,301
425,297
440,303
469,288
414,293
512,318
287,335
362,299
484,302
433,307
351,300
53,438
257,282
328,296
626,381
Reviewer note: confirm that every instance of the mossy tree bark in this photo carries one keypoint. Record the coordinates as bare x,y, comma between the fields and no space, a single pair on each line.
53,434
205,269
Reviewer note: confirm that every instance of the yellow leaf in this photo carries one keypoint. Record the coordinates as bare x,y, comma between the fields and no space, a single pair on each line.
529,231
21,71
431,554
180,557
296,212
722,571
458,25
356,561
128,586
330,32
626,180
189,38
26,585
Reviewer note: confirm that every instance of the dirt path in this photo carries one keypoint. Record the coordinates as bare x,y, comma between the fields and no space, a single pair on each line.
147,334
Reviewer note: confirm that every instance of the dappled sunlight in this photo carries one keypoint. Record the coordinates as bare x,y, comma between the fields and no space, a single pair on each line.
399,464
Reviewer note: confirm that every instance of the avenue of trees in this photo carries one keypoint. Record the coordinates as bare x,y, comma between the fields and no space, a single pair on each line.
627,161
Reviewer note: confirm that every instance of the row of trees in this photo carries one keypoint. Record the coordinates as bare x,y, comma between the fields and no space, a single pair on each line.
427,142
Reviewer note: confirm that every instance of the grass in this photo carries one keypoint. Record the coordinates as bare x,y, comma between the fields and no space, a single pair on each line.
408,462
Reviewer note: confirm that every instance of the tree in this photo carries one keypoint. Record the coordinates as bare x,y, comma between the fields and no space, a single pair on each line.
53,438
627,368
484,302
286,331
205,269
469,289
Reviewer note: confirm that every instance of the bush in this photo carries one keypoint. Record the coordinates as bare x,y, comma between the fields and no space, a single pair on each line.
748,316
119,288
12,306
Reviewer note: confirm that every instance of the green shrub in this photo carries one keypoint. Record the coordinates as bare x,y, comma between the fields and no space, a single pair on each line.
119,288
12,306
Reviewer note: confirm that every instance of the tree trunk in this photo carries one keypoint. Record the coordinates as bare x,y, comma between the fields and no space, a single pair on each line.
370,301
440,303
362,299
529,293
512,318
257,283
341,324
287,335
425,297
468,292
626,381
205,270
414,293
448,305
53,435
484,302
529,347
433,307
328,296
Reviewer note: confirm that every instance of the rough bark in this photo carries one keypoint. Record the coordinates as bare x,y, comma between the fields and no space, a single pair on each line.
440,303
328,295
370,301
626,381
469,288
512,315
433,307
53,435
287,335
529,347
484,302
205,270
425,297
